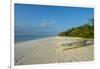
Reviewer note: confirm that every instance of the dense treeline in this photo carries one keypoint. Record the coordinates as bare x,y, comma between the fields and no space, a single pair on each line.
85,31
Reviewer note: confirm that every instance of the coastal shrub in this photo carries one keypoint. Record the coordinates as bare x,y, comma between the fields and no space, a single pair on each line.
85,31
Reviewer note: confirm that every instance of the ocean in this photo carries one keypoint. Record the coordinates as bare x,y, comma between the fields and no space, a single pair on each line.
21,38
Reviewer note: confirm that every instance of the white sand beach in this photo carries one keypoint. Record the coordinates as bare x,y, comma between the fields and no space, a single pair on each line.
49,50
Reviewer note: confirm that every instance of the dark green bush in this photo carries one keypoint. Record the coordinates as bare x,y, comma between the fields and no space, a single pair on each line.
85,31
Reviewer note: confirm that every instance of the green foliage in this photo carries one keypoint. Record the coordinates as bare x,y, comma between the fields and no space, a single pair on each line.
85,31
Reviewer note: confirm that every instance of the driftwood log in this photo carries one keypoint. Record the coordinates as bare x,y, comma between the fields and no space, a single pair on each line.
79,43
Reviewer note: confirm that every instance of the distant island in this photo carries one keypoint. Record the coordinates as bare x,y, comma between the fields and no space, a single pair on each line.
84,31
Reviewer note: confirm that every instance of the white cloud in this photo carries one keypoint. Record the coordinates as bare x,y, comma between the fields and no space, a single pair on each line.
45,23
54,22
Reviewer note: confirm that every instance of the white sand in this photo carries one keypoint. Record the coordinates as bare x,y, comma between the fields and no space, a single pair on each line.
49,50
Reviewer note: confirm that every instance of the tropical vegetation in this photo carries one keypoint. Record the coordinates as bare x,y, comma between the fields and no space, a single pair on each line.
84,31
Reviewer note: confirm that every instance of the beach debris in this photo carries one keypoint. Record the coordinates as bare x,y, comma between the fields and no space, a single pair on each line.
76,44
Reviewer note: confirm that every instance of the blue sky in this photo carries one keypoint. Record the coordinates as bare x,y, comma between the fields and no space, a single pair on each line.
48,20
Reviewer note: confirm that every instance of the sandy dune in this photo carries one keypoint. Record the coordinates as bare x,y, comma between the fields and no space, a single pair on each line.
49,50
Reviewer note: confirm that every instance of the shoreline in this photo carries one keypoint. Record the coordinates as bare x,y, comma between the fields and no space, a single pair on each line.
50,37
35,39
49,50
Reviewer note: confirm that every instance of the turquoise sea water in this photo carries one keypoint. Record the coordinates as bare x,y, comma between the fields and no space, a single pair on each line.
20,38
